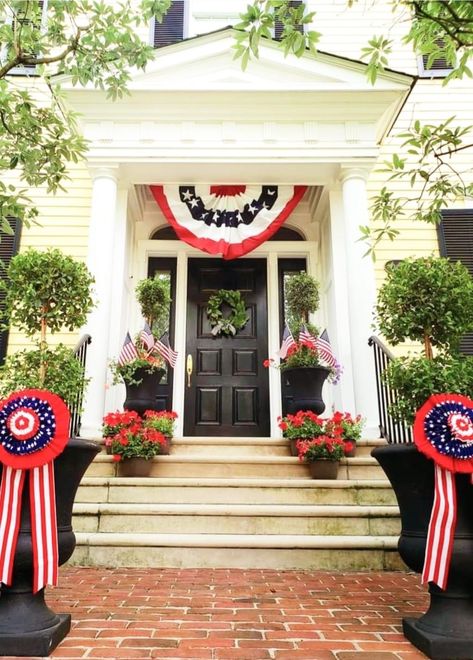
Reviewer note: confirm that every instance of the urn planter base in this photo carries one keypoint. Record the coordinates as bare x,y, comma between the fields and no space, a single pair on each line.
437,647
40,642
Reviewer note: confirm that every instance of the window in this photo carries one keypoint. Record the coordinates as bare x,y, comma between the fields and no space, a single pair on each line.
171,30
278,25
9,244
455,233
439,68
21,19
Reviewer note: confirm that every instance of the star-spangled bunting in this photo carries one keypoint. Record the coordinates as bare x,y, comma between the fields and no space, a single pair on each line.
226,220
287,342
164,349
147,338
34,429
128,352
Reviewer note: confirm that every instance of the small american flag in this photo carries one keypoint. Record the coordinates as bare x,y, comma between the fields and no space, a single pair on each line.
128,352
164,349
287,342
305,335
146,337
325,350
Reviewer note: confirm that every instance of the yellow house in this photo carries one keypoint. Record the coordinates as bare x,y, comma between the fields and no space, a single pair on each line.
196,124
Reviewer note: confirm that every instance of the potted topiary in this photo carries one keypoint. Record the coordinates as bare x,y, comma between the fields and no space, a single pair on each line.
302,370
430,300
143,368
44,293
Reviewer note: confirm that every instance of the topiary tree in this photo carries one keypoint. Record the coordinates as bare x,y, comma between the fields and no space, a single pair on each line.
428,300
302,296
154,299
45,292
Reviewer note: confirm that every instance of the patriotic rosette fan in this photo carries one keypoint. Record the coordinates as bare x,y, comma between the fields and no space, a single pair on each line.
443,431
226,220
34,429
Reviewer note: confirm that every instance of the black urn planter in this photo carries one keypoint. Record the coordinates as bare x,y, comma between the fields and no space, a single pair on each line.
445,631
305,385
143,396
28,627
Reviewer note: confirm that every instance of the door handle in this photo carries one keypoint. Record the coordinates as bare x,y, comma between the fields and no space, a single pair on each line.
189,369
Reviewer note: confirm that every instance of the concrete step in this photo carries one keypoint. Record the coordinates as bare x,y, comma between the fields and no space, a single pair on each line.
281,552
235,467
237,519
235,491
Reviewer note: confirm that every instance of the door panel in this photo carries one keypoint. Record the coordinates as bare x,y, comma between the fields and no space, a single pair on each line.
229,390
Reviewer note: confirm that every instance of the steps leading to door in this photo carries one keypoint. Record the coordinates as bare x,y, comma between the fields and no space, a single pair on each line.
237,502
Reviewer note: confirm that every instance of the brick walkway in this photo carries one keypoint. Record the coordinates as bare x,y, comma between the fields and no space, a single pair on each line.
239,614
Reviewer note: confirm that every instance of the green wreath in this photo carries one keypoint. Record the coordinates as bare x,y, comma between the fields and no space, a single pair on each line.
226,325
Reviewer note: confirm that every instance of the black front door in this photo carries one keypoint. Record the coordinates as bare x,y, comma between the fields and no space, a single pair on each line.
228,393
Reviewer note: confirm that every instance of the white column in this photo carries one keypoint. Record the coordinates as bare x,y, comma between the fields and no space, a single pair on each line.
100,263
361,296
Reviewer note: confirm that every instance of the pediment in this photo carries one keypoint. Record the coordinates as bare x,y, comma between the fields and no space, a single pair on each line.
207,63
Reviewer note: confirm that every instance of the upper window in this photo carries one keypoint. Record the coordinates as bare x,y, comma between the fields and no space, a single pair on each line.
455,233
439,68
278,25
171,30
27,15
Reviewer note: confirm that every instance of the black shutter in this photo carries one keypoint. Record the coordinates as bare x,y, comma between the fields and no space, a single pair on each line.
278,25
438,68
171,30
455,233
9,244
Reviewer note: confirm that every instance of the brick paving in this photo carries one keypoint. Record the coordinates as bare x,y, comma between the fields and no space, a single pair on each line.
226,614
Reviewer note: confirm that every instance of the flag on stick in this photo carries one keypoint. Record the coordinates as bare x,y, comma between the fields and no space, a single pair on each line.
147,338
287,342
322,344
305,335
128,352
164,349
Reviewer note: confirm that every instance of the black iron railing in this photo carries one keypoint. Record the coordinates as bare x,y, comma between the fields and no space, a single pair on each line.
76,408
394,432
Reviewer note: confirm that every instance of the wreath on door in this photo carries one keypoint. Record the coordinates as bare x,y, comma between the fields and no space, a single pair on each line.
230,324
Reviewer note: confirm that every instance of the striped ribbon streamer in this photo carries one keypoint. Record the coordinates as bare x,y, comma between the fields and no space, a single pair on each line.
43,523
441,529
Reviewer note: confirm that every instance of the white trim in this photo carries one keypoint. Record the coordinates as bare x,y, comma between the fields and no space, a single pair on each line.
272,251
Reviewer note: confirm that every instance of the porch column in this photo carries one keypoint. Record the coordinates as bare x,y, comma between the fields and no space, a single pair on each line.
361,296
100,262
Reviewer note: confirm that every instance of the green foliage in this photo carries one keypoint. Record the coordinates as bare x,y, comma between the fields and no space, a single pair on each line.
126,373
426,299
226,324
302,296
416,378
154,298
302,354
64,374
47,287
90,41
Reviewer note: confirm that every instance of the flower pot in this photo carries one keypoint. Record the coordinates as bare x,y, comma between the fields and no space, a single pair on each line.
27,626
446,630
323,468
305,385
144,396
135,467
352,452
293,447
166,447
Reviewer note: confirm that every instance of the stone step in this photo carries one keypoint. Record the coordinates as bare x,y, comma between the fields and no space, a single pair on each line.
237,519
235,467
282,552
235,491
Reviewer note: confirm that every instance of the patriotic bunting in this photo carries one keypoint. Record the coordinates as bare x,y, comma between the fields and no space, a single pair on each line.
34,429
443,431
226,220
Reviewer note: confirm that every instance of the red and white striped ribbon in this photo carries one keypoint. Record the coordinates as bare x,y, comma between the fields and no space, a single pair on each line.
43,523
11,489
441,529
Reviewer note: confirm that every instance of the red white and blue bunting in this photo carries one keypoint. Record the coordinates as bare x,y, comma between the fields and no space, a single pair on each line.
443,431
34,429
226,220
